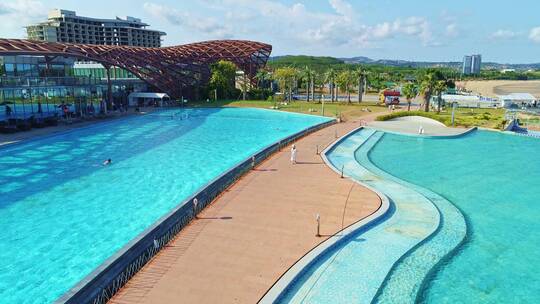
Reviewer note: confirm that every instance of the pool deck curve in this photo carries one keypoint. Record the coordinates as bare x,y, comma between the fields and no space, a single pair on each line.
427,221
246,239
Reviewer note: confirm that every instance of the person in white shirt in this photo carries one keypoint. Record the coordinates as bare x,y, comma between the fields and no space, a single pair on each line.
293,154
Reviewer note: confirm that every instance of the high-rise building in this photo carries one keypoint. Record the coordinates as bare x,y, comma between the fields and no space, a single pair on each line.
472,64
66,26
476,64
467,63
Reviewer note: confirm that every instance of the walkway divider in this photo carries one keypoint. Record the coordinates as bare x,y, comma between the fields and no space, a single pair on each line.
106,280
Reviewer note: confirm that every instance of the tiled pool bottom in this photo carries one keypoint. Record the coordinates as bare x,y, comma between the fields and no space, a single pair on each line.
492,178
62,213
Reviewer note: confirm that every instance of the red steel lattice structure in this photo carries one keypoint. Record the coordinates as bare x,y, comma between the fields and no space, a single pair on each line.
175,70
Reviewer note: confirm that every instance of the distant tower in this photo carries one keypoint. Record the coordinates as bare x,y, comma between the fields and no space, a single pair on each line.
472,64
467,64
476,64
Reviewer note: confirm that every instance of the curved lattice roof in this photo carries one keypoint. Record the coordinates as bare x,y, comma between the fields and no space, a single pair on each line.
173,69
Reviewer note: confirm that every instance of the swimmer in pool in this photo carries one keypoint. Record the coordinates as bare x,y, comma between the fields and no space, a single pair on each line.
107,162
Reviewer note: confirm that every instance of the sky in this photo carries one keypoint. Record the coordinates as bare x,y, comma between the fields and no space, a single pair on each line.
422,30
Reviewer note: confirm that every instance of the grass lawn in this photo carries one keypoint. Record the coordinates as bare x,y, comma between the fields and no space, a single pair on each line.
464,117
347,111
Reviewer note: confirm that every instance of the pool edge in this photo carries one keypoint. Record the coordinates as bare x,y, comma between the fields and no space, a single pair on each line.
110,276
287,279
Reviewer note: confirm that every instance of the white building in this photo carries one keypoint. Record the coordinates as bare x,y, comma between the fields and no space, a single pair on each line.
469,101
66,26
518,99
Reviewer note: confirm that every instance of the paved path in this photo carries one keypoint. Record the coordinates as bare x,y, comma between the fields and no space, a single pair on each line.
255,231
411,124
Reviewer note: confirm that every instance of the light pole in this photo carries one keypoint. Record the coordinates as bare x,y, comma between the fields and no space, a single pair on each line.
454,104
318,219
322,105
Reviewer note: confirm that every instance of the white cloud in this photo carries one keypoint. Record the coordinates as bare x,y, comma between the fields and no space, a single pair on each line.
452,30
534,34
503,35
204,25
15,14
339,27
343,8
413,26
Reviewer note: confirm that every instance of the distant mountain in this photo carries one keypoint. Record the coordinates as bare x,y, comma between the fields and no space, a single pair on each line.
302,61
322,61
434,64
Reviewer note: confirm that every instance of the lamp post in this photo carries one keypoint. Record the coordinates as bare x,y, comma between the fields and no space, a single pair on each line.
454,104
318,219
322,104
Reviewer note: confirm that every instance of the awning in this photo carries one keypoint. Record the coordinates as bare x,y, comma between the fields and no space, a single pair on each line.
148,95
133,97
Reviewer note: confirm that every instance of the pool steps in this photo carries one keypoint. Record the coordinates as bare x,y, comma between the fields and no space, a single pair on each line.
412,272
374,251
388,262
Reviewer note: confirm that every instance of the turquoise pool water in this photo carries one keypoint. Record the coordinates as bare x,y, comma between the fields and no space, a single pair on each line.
493,178
62,213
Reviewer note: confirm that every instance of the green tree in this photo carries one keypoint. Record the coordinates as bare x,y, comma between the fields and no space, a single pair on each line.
285,77
440,87
222,78
360,75
410,91
330,79
262,76
308,75
427,87
345,80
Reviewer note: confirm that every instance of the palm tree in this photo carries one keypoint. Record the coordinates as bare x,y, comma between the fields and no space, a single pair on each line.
345,79
285,77
262,76
330,79
307,75
427,88
360,75
440,87
410,91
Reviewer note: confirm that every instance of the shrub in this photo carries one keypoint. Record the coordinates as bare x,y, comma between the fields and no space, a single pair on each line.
259,94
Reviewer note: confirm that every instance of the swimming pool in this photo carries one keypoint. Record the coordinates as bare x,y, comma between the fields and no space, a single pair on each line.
62,213
485,250
493,178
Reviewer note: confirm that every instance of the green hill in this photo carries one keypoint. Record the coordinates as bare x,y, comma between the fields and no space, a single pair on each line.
313,62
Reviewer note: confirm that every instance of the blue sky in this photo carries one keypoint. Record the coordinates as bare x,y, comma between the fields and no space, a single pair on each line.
502,31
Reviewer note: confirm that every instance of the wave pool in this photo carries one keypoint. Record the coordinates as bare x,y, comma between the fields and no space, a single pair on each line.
62,213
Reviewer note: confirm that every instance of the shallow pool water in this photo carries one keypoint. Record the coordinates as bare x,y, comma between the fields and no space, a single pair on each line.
62,213
493,179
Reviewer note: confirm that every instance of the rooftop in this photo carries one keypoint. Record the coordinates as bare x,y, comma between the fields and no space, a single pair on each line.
518,96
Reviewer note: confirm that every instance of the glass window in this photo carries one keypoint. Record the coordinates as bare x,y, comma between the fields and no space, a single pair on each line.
10,69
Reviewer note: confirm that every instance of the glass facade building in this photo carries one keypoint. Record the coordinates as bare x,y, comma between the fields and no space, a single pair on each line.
26,81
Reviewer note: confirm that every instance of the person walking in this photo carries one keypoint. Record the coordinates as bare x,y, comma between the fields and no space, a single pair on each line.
293,154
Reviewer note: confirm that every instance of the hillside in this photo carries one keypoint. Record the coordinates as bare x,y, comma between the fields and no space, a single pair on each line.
313,62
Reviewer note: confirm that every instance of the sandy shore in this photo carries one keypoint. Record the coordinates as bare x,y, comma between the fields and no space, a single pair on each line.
492,88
